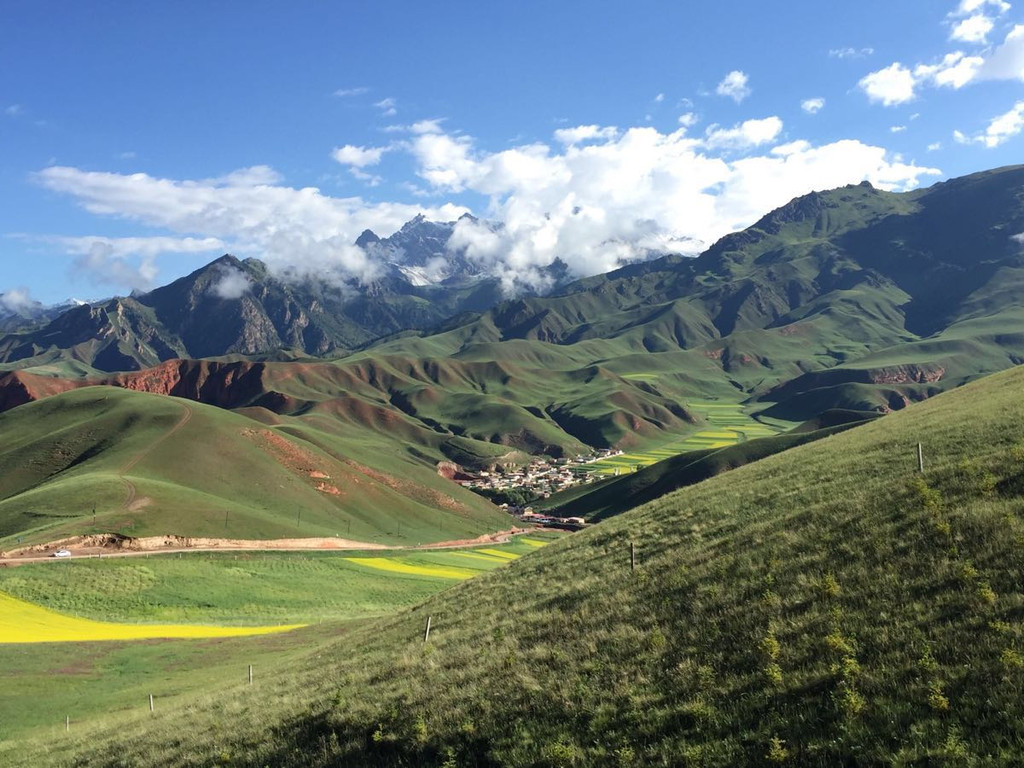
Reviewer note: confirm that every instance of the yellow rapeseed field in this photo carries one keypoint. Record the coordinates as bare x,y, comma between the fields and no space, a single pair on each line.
499,553
397,566
22,622
532,542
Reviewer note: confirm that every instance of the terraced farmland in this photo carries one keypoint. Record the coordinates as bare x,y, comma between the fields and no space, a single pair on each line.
729,424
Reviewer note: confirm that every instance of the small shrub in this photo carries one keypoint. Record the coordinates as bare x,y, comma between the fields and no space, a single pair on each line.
927,662
773,673
936,698
777,752
848,668
770,646
850,702
967,572
419,730
986,593
830,587
563,755
839,644
928,497
955,748
624,756
1011,659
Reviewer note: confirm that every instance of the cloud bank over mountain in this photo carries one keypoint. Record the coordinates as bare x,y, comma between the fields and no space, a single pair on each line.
595,197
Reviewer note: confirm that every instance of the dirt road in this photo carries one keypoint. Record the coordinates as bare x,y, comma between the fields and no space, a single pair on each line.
110,545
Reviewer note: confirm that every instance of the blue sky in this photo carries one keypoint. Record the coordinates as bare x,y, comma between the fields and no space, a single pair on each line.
141,140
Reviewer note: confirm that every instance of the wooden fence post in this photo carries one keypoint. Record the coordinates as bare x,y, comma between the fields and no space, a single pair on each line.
632,556
426,635
151,702
250,674
920,458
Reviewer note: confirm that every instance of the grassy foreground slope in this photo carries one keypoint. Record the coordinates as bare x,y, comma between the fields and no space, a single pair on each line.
151,465
825,606
615,496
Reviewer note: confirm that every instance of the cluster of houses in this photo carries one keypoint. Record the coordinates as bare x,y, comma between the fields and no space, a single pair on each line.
541,477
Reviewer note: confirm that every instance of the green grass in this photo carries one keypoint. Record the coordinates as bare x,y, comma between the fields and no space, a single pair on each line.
825,602
237,588
42,683
728,424
154,465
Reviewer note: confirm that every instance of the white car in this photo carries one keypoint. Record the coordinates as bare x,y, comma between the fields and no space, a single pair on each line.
62,553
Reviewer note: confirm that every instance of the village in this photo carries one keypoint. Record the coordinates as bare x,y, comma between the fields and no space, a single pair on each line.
515,487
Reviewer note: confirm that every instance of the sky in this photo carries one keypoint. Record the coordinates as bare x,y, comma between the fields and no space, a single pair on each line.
140,141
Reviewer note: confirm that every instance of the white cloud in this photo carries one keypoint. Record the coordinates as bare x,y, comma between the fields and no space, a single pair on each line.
750,133
973,29
812,106
299,229
595,205
14,110
968,7
1000,129
954,70
16,300
735,86
1018,238
232,284
358,157
388,107
935,146
850,53
897,84
599,205
890,86
897,128
345,93
659,98
582,133
126,261
1007,61
123,247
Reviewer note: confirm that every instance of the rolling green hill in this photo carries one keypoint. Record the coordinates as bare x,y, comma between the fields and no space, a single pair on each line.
852,298
824,606
150,465
620,494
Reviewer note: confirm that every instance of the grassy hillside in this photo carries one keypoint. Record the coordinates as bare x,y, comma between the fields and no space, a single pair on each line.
824,606
615,496
153,465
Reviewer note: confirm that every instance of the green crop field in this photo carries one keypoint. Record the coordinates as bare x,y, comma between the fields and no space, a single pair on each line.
43,683
729,424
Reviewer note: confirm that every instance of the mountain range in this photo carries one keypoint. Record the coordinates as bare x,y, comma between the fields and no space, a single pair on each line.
853,298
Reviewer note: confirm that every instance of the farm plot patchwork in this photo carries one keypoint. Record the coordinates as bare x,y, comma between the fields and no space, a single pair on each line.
450,565
729,424
43,682
23,622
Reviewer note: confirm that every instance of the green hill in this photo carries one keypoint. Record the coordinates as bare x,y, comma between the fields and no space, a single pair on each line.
824,606
620,494
103,459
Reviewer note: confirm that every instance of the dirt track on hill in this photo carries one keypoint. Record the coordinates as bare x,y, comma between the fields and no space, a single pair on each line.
114,545
129,486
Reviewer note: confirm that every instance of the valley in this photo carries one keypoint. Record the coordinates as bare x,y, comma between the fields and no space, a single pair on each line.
760,567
